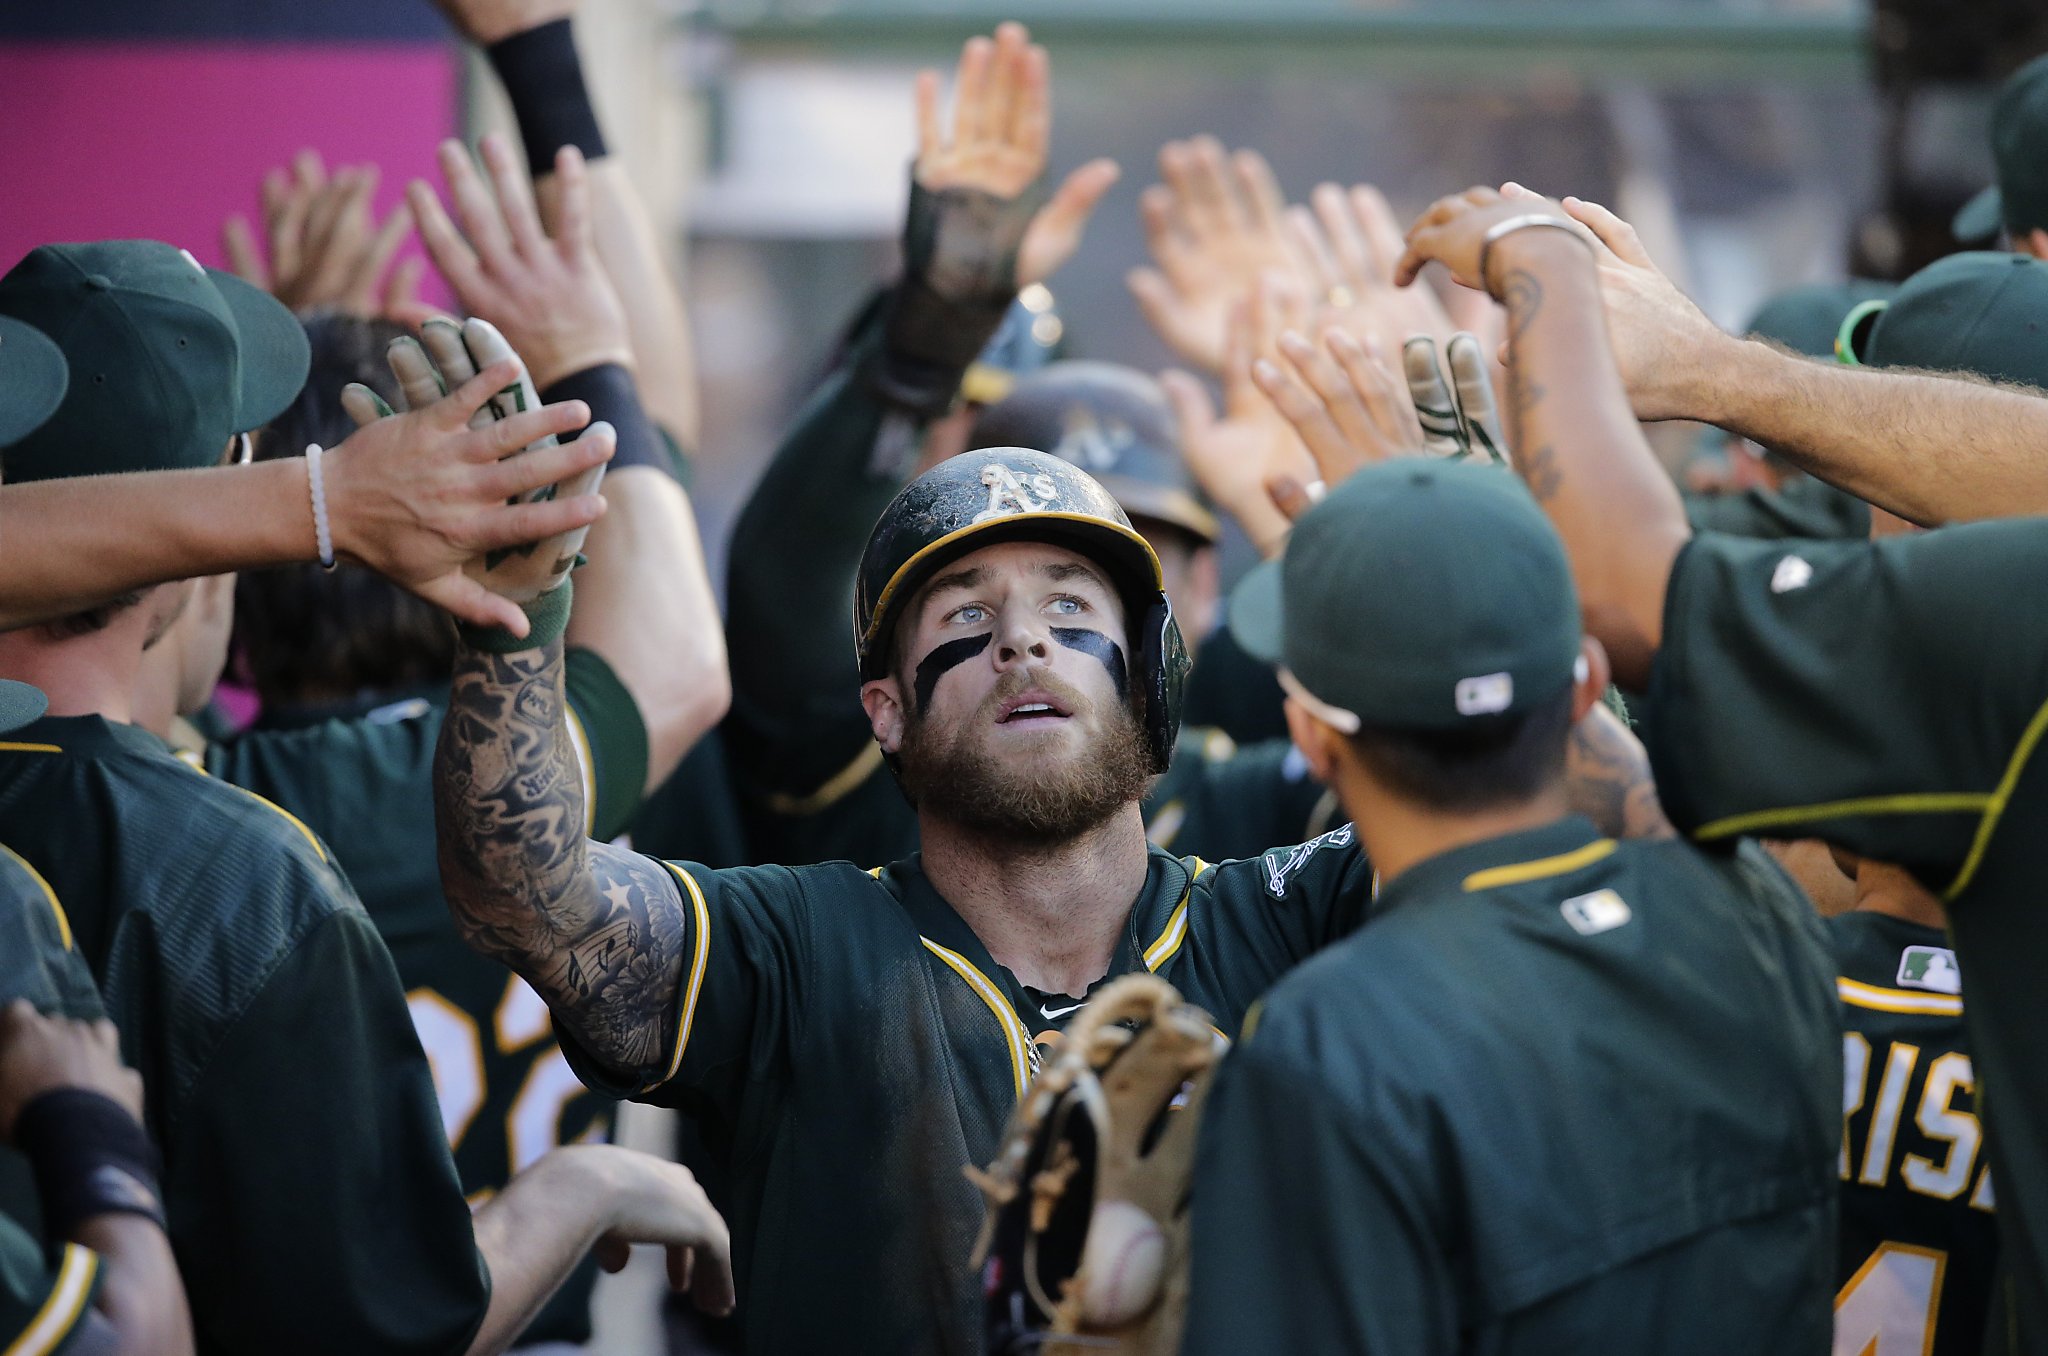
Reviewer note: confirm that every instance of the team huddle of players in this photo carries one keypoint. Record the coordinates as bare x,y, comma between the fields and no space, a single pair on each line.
1580,877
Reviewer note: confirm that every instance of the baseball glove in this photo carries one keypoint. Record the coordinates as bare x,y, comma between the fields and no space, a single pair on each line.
1084,1248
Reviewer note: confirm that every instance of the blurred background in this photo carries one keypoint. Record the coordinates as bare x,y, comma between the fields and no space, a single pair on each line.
1756,143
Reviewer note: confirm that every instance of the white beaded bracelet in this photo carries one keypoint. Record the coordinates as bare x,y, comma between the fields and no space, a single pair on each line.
323,536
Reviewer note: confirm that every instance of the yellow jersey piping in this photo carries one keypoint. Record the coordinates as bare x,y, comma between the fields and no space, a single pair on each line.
1162,950
54,1322
1931,802
2023,751
1521,873
1018,1038
63,920
688,1015
9,746
1878,999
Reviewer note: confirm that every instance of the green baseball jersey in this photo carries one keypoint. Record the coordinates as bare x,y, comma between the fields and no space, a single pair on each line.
364,785
1919,1243
1558,1094
45,1305
44,1302
1215,800
851,1046
313,1205
1890,698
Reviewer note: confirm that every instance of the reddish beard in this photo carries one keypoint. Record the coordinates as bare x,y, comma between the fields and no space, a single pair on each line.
1036,798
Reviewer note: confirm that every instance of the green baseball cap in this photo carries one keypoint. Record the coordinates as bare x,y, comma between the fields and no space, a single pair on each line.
168,359
32,380
2019,148
20,704
1420,595
1980,312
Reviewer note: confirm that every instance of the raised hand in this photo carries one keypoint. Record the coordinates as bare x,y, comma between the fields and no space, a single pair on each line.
1350,242
326,247
998,142
1345,402
1459,416
421,497
549,297
1235,457
1214,227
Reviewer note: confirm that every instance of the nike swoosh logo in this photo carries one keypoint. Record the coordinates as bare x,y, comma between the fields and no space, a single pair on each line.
1054,1013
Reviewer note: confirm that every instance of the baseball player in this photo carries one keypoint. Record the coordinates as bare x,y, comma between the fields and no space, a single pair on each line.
857,1036
1878,695
252,991
1558,1089
1919,1239
356,766
72,1111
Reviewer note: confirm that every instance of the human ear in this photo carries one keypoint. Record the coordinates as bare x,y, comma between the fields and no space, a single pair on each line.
882,699
1316,741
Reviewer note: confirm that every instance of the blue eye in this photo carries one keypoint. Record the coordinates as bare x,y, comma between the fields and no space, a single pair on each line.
1068,607
973,614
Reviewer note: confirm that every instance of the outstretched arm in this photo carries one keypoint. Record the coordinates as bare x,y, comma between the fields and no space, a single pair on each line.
1873,433
596,930
1576,441
413,498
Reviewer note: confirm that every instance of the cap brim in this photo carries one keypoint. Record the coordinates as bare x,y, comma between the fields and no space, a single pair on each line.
1257,622
33,379
274,351
1981,218
20,704
1163,503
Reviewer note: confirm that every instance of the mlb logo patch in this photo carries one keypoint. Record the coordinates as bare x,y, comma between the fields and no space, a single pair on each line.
1601,911
1930,967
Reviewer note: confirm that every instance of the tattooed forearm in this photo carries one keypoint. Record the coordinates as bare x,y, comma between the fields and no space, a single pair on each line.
596,930
1607,775
1522,295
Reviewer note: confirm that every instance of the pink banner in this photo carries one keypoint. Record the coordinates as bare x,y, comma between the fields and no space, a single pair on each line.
164,140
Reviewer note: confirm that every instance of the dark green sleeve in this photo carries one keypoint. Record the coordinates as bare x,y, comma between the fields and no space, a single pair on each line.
1303,1240
45,1302
604,716
1875,694
37,961
1804,508
359,1238
796,718
746,946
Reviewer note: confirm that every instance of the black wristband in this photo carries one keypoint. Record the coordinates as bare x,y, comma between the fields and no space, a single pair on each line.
544,80
609,391
90,1158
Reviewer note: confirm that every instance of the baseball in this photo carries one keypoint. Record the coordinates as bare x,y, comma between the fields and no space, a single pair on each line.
1121,1266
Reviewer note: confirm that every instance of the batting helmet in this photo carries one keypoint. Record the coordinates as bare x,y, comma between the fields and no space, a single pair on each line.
1004,494
1114,423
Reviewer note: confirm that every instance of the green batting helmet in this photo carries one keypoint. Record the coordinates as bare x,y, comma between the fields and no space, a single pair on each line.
1004,494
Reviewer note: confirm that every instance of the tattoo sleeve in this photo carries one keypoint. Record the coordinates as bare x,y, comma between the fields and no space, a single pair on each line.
1607,776
597,930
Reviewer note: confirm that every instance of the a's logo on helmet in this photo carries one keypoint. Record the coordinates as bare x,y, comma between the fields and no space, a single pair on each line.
1010,493
1092,443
